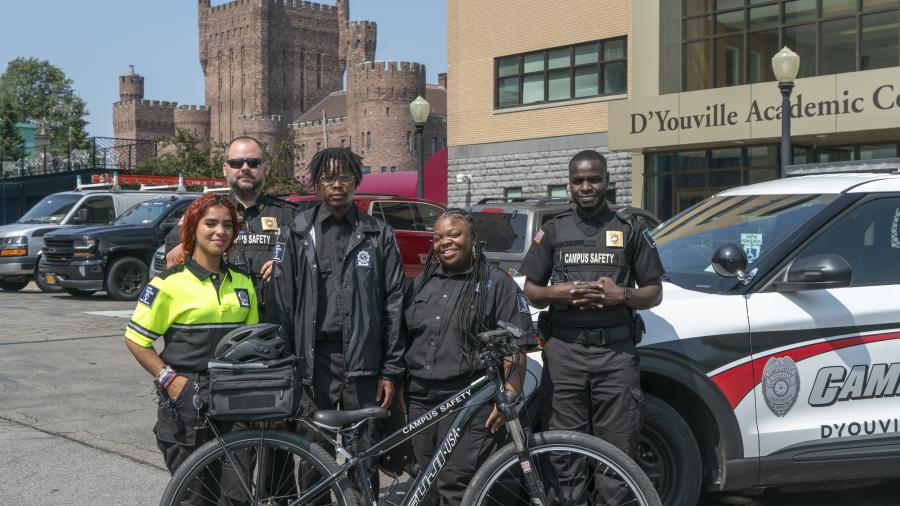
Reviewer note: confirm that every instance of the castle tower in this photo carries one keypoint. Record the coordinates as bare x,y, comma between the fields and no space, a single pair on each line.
382,128
266,58
194,119
131,86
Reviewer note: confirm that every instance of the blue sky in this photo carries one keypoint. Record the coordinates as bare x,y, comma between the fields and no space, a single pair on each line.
94,41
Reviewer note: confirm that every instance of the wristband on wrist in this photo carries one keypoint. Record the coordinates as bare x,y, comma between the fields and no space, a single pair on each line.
166,375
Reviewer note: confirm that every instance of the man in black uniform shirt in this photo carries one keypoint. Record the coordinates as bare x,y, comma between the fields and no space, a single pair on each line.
337,290
592,258
245,169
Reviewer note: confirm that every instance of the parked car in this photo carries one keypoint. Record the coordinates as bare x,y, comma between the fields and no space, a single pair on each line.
22,242
115,258
774,358
412,220
507,225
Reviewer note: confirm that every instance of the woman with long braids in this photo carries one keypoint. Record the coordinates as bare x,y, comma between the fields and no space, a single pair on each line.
189,308
457,296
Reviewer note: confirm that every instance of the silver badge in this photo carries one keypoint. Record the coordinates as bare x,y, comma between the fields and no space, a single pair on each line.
780,384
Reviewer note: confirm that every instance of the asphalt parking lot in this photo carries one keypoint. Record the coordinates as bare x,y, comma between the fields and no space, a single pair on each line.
76,412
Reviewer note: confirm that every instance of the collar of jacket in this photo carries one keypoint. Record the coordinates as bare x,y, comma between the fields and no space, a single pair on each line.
304,223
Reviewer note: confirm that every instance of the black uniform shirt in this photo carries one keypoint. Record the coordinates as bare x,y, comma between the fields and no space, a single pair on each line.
644,262
332,237
434,351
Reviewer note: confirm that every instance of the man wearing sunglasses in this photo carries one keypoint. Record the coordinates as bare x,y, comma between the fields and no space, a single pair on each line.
245,169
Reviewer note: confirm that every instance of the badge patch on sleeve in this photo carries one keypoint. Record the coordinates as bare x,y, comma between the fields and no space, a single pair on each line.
148,296
243,296
278,254
649,239
523,304
364,258
538,236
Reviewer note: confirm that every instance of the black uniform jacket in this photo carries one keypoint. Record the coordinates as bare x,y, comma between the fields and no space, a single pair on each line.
434,348
373,277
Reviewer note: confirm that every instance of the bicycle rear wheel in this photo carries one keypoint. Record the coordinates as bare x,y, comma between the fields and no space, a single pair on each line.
250,470
574,469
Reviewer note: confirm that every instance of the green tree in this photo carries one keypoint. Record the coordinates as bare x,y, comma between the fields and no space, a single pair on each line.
183,154
12,145
41,92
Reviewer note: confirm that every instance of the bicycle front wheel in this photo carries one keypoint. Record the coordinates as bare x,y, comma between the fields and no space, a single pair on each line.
572,468
251,470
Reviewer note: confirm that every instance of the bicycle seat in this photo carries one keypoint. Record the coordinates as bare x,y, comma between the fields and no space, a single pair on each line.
337,419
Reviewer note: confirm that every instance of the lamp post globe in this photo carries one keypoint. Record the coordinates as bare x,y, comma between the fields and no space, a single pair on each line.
785,65
419,109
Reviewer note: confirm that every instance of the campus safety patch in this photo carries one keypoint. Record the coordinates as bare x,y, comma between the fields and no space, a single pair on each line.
243,296
279,252
523,304
649,239
364,258
148,296
538,236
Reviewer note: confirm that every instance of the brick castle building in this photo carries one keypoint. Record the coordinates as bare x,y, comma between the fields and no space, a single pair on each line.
273,69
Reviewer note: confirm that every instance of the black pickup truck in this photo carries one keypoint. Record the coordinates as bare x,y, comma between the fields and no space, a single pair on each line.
115,257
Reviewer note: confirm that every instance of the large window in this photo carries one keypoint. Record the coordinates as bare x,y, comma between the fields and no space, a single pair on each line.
731,42
674,182
564,73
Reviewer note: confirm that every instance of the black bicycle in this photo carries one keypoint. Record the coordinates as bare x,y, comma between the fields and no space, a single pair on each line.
544,468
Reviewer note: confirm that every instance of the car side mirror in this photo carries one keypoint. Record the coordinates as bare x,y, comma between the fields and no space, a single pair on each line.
730,261
81,216
167,225
816,272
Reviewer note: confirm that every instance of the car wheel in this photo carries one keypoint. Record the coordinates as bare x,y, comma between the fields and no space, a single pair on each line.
76,292
668,453
12,286
42,283
126,278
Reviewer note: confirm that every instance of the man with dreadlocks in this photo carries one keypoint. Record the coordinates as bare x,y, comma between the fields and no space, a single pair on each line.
458,295
337,288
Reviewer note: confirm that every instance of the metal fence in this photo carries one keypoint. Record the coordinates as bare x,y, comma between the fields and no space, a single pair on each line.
100,153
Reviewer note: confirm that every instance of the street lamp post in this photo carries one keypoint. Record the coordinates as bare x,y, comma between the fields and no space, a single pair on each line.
419,109
785,65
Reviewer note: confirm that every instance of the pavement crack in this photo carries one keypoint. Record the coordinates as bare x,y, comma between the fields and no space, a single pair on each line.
78,338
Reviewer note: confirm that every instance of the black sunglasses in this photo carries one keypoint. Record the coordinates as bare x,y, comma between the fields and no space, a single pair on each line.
237,163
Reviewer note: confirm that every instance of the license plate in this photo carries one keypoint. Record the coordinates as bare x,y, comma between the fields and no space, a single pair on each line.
50,278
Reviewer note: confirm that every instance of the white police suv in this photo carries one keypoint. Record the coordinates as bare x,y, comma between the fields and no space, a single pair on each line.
774,358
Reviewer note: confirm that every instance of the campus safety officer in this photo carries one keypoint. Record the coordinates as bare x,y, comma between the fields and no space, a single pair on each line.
601,266
245,169
457,296
337,288
190,307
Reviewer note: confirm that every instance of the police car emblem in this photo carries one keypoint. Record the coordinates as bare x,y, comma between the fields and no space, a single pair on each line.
363,259
243,296
148,295
780,384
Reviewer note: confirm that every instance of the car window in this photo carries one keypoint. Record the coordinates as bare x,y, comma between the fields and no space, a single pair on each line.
177,213
99,210
145,212
502,232
428,215
756,222
51,209
868,239
399,215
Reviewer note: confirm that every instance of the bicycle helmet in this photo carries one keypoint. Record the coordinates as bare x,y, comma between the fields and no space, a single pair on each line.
262,341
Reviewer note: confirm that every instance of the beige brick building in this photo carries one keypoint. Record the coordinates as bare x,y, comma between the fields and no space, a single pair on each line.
529,85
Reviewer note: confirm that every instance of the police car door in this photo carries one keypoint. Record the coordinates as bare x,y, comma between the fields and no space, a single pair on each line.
827,360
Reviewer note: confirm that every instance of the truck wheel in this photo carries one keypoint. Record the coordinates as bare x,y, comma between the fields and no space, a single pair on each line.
126,278
75,292
42,283
12,286
668,453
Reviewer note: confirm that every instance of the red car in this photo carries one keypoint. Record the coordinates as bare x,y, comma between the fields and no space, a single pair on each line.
412,220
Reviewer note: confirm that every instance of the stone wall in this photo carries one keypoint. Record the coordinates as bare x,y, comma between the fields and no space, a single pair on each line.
533,165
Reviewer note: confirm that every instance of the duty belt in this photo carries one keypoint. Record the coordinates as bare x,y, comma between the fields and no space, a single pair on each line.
594,337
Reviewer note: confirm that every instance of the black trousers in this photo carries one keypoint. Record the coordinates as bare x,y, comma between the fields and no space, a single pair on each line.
475,447
332,389
595,390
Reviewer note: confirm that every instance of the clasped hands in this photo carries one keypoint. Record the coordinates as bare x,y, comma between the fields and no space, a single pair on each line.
589,294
